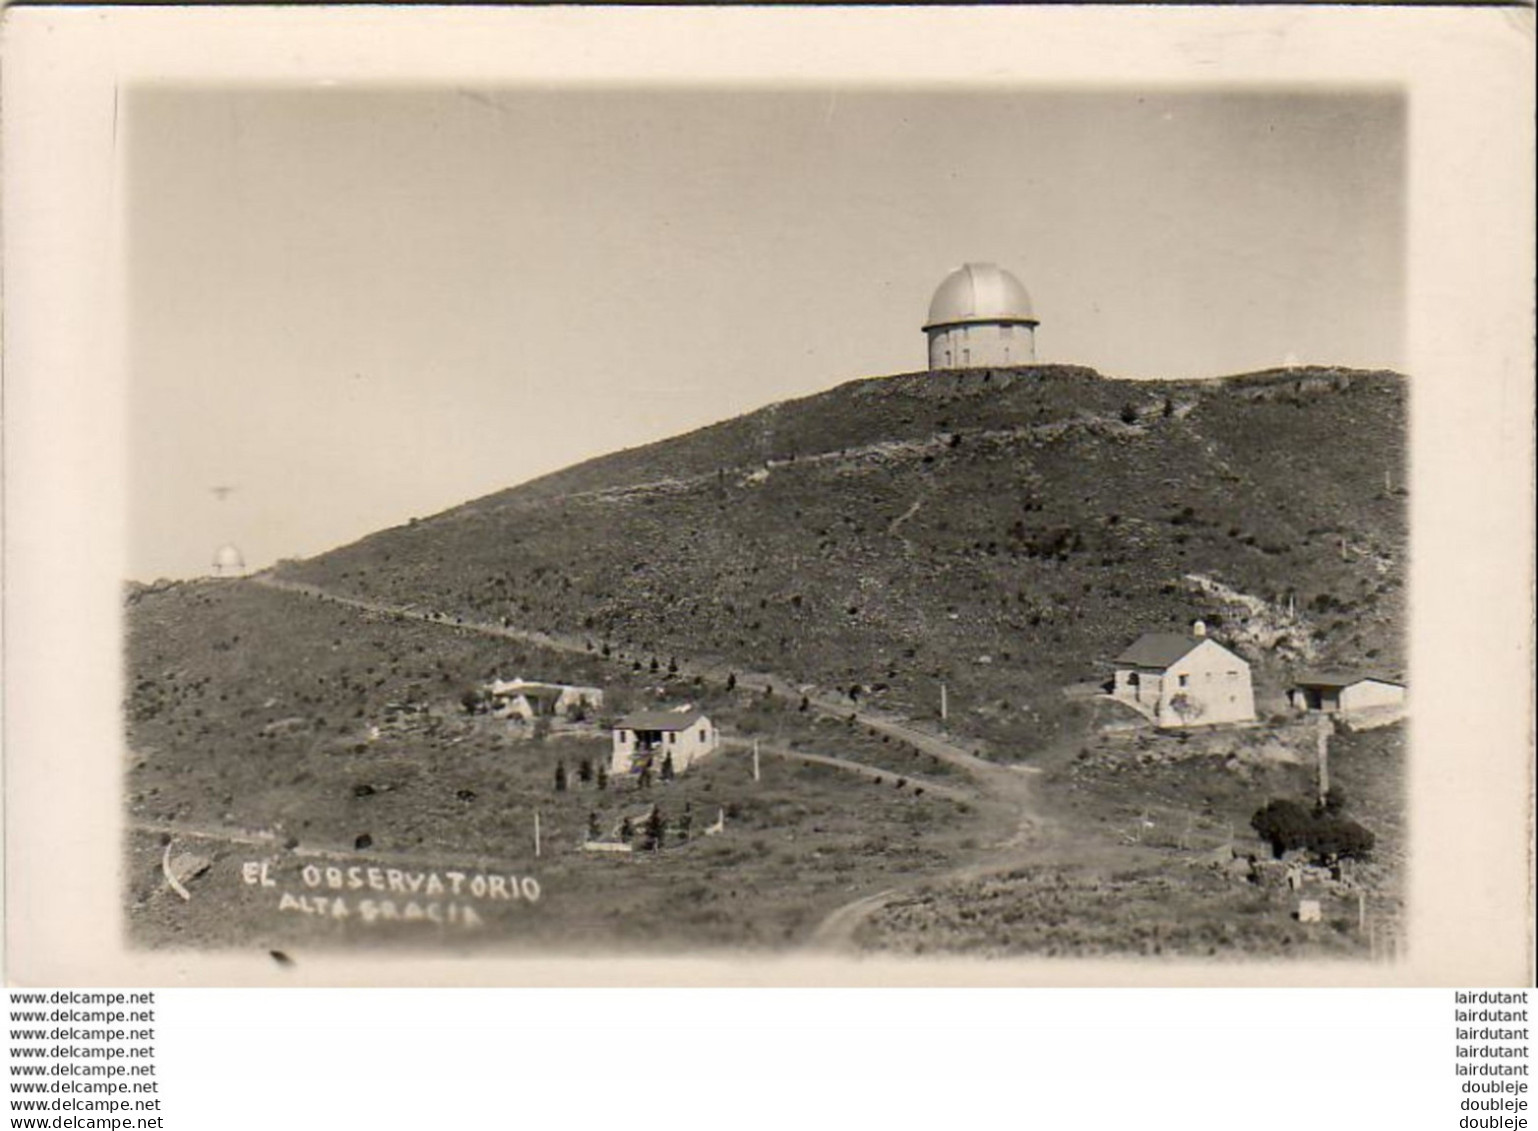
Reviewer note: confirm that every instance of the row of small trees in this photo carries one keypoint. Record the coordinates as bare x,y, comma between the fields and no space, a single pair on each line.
653,832
597,773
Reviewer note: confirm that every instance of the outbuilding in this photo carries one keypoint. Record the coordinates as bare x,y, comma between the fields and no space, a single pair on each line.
647,738
1181,680
532,699
1333,692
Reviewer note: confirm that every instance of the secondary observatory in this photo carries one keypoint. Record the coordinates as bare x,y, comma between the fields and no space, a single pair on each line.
228,562
981,315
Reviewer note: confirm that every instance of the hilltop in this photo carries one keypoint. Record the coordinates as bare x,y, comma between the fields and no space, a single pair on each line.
1003,531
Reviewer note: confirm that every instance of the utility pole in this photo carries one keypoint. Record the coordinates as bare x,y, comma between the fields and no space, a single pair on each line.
944,705
536,832
755,759
1324,730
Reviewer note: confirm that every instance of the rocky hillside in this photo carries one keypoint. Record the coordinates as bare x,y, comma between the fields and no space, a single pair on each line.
1003,531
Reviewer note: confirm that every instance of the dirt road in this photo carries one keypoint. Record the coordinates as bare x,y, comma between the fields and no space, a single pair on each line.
1003,793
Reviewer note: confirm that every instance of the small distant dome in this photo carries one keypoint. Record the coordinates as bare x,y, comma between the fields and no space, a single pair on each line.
228,562
980,292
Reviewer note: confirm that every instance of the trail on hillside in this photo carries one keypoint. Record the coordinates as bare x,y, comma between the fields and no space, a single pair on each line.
1003,793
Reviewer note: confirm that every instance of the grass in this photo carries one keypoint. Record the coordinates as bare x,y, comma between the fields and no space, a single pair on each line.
1001,532
1150,825
257,715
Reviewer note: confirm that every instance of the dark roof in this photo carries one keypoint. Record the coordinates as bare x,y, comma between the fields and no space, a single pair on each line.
1341,679
1158,649
660,720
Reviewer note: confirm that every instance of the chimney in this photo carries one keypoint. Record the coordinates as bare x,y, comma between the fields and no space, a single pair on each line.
1199,628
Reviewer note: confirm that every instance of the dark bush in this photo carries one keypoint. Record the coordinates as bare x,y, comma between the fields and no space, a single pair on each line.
1323,833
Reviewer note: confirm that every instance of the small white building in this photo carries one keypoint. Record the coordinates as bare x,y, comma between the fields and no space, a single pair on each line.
1181,680
229,562
980,315
532,699
646,738
1345,693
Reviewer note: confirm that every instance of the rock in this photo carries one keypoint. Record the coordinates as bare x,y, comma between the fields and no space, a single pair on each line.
363,841
188,866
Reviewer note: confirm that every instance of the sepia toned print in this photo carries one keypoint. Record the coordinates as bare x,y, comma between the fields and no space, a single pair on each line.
991,653
1005,497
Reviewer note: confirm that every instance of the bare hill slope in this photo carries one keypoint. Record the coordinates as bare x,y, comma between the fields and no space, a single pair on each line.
1003,531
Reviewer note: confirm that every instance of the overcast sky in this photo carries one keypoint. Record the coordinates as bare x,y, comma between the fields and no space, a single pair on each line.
359,306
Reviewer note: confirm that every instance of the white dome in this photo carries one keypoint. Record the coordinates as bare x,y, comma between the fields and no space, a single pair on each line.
228,559
980,292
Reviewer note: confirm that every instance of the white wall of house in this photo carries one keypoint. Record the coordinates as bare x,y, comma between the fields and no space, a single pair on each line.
687,747
1212,683
1142,687
1371,694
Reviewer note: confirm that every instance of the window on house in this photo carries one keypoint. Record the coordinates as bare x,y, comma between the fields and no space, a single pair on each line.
1185,680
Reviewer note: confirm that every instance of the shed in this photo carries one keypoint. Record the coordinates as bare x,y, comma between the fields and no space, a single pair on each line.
1338,692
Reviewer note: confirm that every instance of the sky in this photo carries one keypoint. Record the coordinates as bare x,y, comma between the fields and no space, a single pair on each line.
359,306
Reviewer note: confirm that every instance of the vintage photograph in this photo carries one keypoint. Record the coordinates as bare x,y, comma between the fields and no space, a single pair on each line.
808,519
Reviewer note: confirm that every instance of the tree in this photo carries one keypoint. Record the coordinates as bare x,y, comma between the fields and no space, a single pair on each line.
602,775
686,822
655,830
1188,710
585,770
644,781
1336,838
626,830
560,776
1284,824
668,772
731,681
593,829
1288,826
672,665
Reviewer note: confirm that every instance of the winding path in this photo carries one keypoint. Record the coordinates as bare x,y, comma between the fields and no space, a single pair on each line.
1003,792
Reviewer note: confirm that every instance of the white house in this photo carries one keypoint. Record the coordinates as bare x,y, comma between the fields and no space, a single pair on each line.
1180,680
531,699
1345,693
646,738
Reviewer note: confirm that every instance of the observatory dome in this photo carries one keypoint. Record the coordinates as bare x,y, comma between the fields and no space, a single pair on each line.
980,315
979,292
228,562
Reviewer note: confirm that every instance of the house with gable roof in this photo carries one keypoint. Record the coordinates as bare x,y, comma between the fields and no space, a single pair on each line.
1346,693
646,738
1180,680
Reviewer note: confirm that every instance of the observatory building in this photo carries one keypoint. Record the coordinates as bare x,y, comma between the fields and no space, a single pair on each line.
228,562
981,315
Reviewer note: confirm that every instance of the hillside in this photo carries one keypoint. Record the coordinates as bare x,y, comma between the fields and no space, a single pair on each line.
1002,531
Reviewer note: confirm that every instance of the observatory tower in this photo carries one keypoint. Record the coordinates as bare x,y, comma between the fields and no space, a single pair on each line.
980,316
228,562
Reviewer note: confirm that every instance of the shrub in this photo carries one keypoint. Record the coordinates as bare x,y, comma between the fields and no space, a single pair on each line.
1288,825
